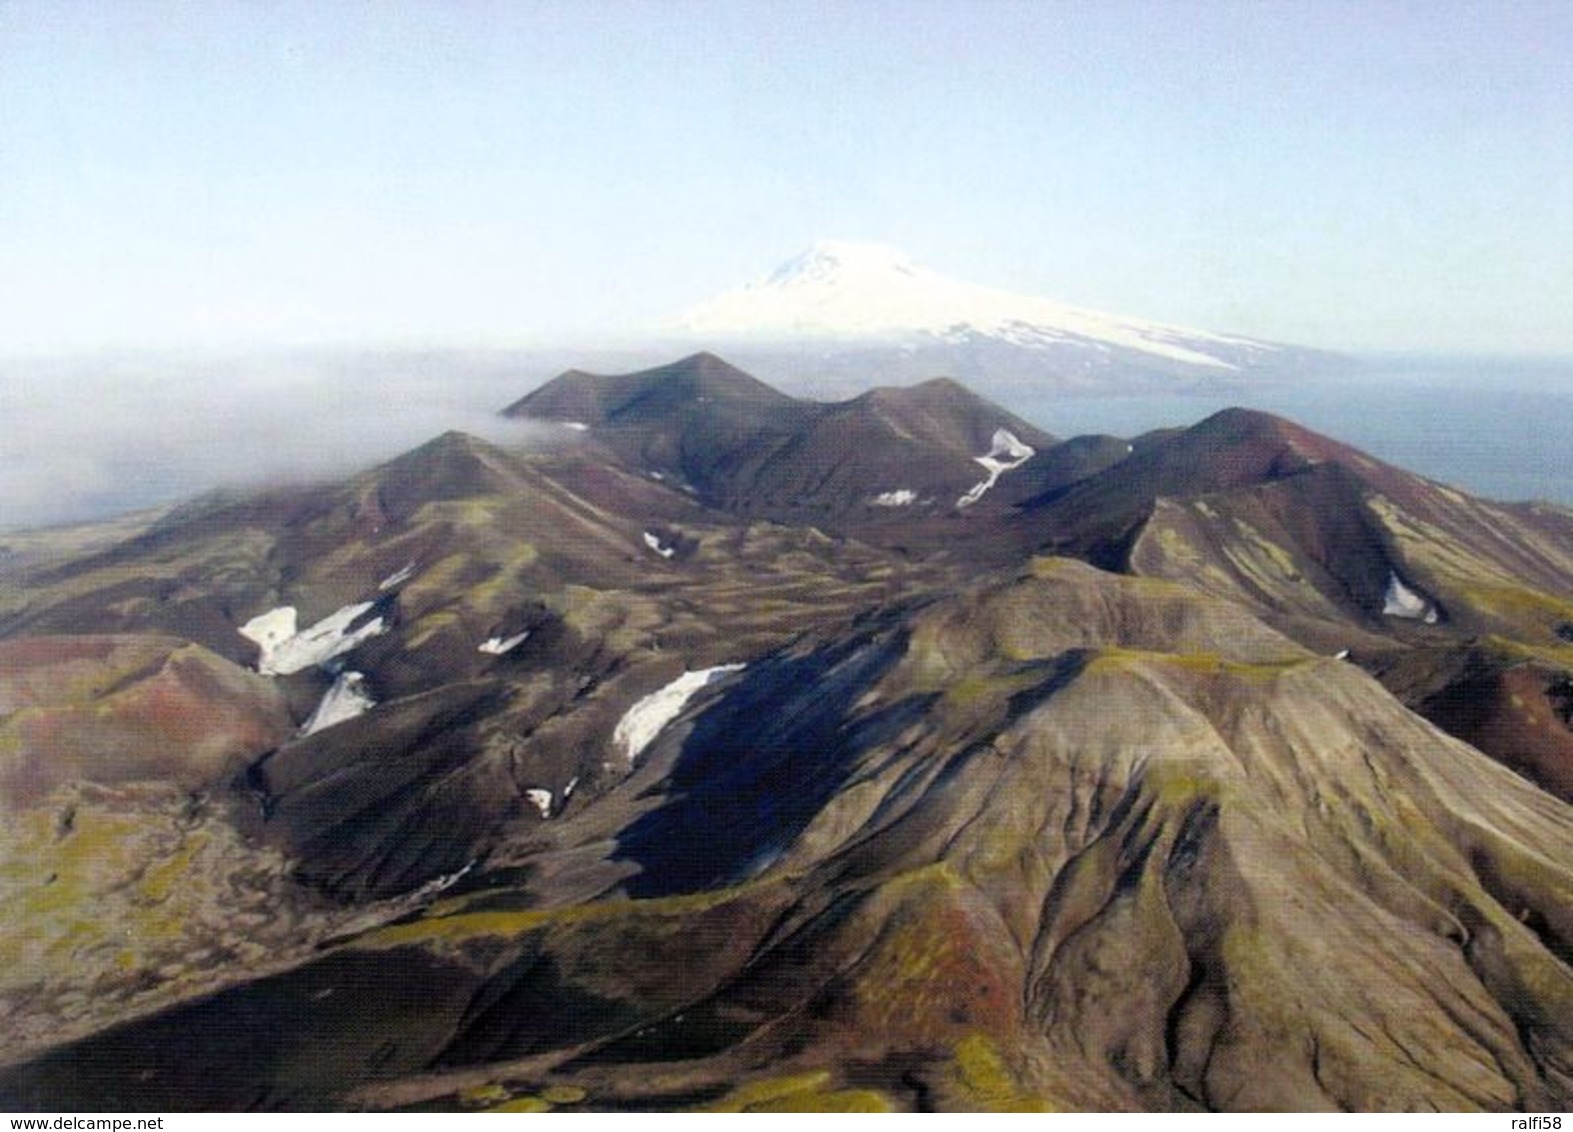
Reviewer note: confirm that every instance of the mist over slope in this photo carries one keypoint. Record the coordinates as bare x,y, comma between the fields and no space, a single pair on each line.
86,438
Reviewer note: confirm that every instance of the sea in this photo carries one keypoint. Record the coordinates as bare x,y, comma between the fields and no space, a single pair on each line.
1498,428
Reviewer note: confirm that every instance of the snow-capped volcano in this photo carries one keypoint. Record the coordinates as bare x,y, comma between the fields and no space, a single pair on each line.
845,294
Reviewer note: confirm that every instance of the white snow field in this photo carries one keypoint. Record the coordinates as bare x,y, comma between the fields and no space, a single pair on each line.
286,650
1401,601
847,290
649,717
345,700
498,646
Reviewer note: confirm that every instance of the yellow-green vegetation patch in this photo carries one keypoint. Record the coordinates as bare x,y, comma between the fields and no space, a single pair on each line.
75,679
479,580
161,880
825,1100
505,584
480,1096
1115,659
525,1103
927,665
1266,550
125,897
429,626
1558,655
52,871
239,553
1174,546
1045,566
941,876
621,619
437,580
461,926
1178,782
988,689
1076,572
131,607
928,960
1438,549
563,1094
986,1081
1518,603
801,1092
475,511
1251,955
496,1097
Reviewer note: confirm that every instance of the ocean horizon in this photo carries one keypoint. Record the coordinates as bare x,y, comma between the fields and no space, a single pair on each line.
1493,427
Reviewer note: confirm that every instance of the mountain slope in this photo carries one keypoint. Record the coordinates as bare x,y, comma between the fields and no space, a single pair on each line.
1253,507
1071,841
662,764
495,608
1460,605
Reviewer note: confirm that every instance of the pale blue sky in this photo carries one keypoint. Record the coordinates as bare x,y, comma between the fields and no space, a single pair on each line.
1367,176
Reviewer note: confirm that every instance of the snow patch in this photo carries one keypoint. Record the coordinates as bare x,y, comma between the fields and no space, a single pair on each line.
271,629
398,578
497,646
577,426
345,700
654,543
284,650
1006,453
1401,601
541,800
905,497
649,717
439,884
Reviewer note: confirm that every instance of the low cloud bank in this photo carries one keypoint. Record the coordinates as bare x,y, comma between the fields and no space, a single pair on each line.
86,439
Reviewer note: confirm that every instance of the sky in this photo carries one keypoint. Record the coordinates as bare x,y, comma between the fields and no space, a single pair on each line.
1364,176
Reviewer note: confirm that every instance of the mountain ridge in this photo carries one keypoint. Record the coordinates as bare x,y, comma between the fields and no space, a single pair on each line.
1219,768
744,446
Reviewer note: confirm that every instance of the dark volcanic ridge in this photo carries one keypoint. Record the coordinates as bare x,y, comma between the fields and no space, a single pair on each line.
741,446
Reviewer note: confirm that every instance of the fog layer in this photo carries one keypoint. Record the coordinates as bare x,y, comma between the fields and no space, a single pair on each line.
85,439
